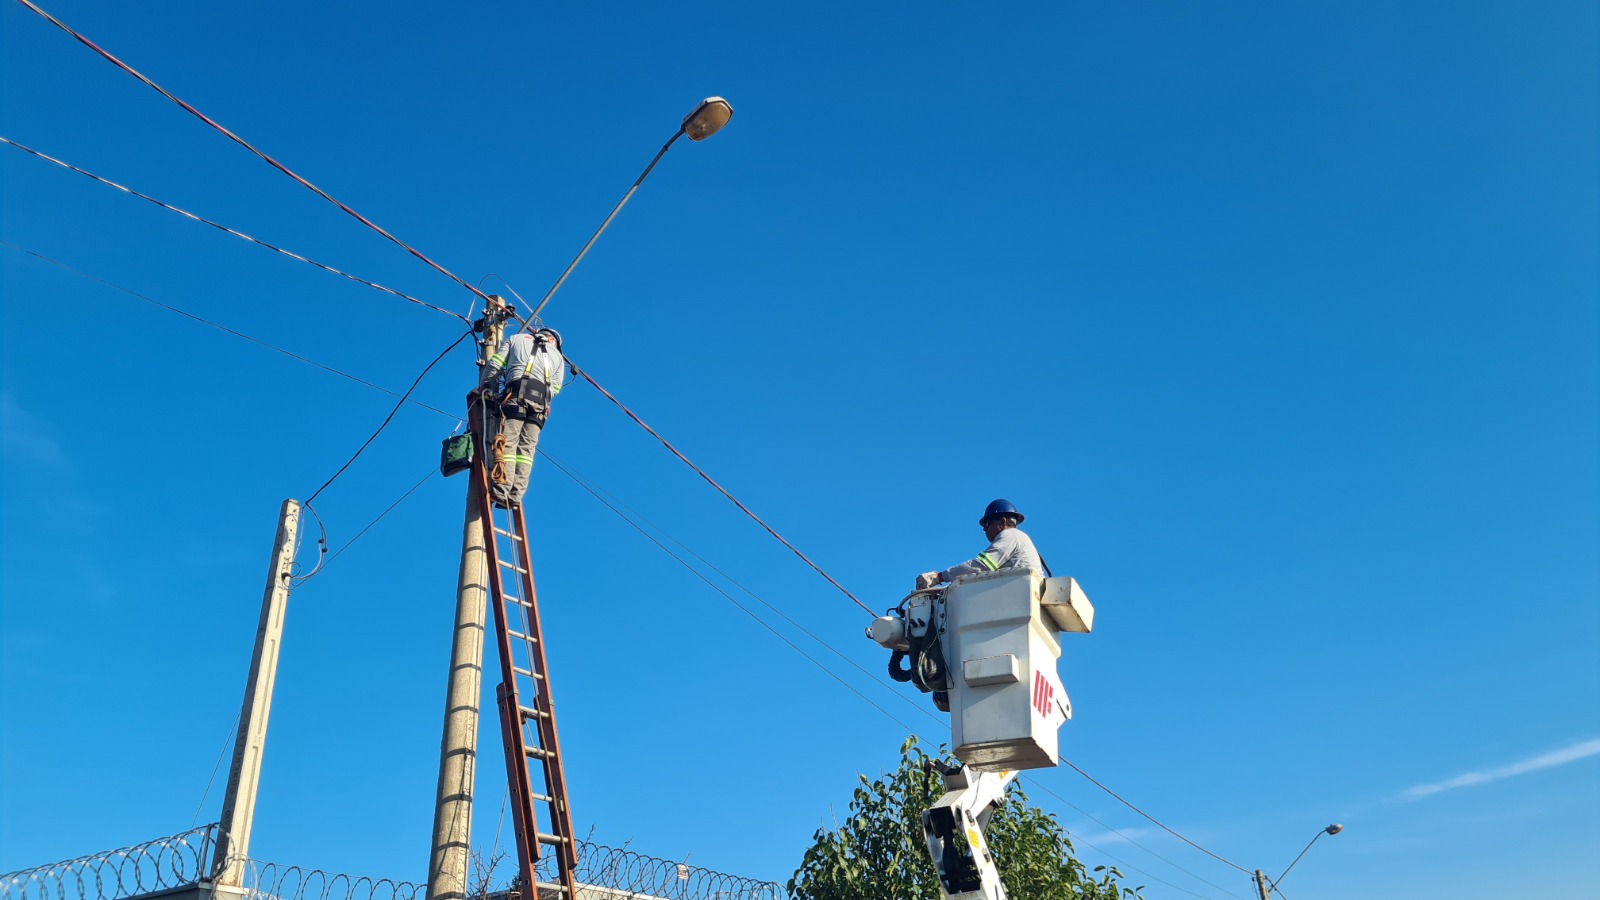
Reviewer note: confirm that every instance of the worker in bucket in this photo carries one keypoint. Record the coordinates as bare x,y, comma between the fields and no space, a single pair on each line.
1009,548
523,376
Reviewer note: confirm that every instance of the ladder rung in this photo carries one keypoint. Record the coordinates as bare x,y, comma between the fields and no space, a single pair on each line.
541,798
536,753
547,886
530,713
527,673
518,601
517,634
503,533
514,567
551,839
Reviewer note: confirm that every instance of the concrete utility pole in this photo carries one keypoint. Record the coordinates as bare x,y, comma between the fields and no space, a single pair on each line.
458,747
244,776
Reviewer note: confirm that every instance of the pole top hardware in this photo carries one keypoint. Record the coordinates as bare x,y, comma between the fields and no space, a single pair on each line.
496,317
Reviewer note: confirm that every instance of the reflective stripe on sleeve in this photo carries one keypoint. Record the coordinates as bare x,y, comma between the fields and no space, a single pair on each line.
554,388
988,563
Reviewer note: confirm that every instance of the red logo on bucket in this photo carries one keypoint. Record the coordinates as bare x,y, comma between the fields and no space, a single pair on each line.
1043,694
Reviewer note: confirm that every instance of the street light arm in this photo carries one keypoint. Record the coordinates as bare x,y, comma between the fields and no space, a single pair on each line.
1331,829
596,236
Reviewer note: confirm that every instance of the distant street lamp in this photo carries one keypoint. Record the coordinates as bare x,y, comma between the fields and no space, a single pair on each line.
702,122
1262,880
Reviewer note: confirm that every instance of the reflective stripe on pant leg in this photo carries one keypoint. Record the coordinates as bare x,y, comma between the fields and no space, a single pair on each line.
522,448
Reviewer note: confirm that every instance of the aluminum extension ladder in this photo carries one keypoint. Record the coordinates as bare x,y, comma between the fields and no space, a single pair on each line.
527,714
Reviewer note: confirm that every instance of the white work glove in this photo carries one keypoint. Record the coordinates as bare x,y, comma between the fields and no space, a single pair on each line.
927,580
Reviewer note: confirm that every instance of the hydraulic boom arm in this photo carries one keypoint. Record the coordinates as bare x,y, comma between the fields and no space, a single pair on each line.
954,829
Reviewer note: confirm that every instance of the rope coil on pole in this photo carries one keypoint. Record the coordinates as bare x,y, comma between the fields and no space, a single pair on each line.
497,474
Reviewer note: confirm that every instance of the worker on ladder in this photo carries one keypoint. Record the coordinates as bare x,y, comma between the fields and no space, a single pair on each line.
1009,548
523,375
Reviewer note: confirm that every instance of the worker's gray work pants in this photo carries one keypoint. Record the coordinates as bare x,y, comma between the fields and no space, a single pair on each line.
521,436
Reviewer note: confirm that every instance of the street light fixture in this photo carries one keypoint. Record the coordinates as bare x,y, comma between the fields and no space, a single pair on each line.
702,122
707,118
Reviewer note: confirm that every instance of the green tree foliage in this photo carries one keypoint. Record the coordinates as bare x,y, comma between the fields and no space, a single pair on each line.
877,852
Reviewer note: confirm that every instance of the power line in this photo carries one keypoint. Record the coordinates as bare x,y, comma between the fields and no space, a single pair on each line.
607,394
720,489
418,254
223,228
580,477
234,730
1153,819
1098,821
1120,861
124,66
380,518
390,417
248,146
323,561
222,328
729,597
404,398
594,489
675,452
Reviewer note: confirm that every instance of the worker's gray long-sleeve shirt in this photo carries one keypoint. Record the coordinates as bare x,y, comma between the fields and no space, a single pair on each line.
1011,549
520,356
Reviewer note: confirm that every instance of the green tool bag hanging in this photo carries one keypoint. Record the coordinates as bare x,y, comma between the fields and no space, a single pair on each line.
455,455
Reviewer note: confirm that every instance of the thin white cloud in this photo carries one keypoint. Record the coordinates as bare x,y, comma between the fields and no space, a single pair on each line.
1549,760
27,444
24,434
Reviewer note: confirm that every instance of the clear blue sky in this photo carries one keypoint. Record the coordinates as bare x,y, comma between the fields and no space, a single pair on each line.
1278,320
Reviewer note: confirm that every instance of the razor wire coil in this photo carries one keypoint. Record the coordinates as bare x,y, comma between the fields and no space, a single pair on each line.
185,860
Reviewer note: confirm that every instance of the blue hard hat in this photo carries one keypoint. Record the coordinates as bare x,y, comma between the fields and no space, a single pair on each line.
1000,508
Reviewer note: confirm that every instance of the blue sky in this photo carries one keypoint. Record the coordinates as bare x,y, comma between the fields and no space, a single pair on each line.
1280,322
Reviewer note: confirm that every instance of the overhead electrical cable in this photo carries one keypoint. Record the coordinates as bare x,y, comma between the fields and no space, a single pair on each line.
1153,819
404,398
248,146
324,559
730,598
390,417
221,754
701,473
380,517
1078,838
239,234
589,484
429,262
1035,782
720,489
223,328
635,518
